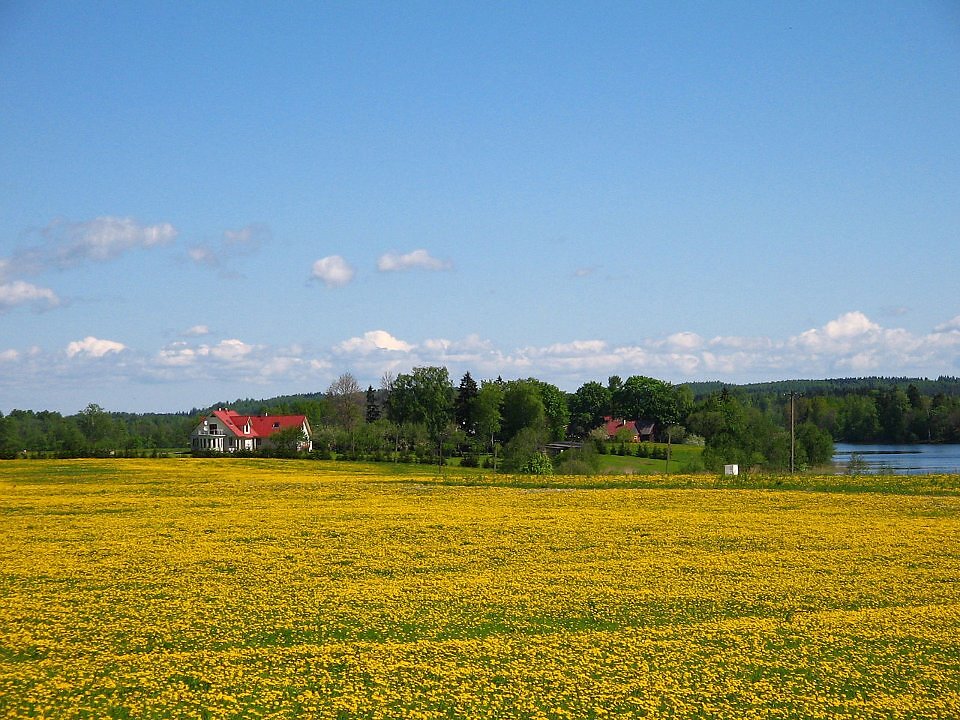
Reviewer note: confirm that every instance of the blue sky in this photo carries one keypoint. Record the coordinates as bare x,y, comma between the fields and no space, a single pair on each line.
205,201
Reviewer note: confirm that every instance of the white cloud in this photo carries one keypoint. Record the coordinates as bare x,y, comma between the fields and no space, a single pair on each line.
373,341
684,341
233,244
841,340
203,256
249,236
861,363
576,348
851,344
949,326
64,244
437,345
418,259
178,354
102,238
279,366
332,271
471,349
197,331
94,347
241,362
742,343
247,362
232,352
849,325
229,350
19,292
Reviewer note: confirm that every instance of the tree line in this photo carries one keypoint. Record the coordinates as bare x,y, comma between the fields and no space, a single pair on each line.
867,411
92,432
422,416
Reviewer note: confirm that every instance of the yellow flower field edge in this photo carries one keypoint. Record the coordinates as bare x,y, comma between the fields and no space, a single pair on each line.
920,484
947,484
256,589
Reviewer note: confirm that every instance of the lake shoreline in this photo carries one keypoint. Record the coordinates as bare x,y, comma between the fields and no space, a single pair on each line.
899,458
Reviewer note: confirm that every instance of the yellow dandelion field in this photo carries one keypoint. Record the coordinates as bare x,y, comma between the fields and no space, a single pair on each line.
254,589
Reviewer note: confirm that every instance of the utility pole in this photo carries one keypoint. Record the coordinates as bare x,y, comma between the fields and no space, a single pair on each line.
669,434
793,436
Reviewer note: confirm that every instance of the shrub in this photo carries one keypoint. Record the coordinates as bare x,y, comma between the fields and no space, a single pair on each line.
538,464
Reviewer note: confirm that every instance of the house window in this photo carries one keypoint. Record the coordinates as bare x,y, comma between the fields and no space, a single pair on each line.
276,426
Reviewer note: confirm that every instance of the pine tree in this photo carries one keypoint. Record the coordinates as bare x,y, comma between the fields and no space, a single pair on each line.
463,408
373,407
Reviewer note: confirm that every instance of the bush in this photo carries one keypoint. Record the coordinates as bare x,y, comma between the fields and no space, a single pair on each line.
582,461
522,447
693,466
538,464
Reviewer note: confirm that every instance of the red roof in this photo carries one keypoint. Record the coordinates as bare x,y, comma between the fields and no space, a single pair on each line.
612,426
261,426
639,428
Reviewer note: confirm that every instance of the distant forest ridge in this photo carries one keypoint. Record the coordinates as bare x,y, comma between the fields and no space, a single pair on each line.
946,385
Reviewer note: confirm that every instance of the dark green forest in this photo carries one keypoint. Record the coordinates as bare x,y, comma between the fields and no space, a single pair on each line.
422,416
861,410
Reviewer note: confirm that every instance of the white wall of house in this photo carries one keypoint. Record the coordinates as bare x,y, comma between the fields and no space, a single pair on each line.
213,435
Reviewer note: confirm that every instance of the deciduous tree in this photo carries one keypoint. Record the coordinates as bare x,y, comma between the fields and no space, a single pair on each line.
487,406
522,408
346,405
588,407
424,396
556,410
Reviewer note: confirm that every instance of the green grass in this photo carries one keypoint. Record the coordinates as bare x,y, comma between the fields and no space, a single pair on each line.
682,457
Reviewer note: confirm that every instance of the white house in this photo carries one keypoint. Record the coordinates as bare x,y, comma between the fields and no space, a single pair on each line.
227,431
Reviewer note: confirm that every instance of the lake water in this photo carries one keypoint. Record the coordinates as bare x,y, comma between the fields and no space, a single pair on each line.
900,459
